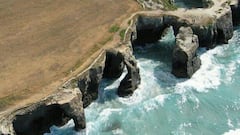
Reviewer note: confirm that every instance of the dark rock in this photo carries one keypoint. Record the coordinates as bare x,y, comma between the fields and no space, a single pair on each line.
88,81
114,64
89,84
224,26
207,35
185,61
176,22
148,29
131,81
207,3
236,14
36,119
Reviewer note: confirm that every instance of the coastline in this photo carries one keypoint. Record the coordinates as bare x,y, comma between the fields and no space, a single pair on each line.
184,17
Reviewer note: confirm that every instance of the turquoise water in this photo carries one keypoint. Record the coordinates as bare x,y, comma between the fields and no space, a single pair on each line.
206,104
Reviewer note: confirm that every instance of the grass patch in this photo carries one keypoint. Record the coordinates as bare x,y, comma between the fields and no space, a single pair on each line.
114,29
168,5
122,33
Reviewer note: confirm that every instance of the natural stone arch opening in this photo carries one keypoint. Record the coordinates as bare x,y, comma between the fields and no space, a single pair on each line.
39,120
150,29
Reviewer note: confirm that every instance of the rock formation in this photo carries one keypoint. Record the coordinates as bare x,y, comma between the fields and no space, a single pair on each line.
132,79
207,35
224,25
235,7
210,26
37,118
88,81
114,64
148,29
185,61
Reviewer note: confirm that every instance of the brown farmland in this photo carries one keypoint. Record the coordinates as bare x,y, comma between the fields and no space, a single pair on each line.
41,41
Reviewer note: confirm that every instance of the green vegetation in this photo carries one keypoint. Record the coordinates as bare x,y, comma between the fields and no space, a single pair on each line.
114,29
122,33
168,5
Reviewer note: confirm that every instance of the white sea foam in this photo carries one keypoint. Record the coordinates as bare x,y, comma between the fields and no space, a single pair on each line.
230,70
154,103
230,123
207,77
233,132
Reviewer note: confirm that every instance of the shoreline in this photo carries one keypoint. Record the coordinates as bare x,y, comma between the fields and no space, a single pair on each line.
184,16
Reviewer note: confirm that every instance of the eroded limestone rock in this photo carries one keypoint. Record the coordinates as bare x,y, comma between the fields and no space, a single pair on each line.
88,82
185,61
132,79
114,64
236,13
37,118
224,25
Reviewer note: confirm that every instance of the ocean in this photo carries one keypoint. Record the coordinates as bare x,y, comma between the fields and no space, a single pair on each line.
206,104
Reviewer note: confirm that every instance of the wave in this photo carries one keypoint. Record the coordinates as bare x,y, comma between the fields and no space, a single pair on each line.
233,132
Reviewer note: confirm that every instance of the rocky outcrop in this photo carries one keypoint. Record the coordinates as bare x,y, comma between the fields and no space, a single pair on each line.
88,81
114,64
132,79
185,61
207,3
37,118
148,29
157,4
224,25
207,35
236,13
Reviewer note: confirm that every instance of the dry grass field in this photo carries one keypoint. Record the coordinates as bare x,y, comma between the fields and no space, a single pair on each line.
41,41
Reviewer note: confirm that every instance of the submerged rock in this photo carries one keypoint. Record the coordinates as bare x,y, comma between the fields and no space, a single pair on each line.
185,61
36,119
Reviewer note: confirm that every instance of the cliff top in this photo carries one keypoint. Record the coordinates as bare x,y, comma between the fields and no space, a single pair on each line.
42,43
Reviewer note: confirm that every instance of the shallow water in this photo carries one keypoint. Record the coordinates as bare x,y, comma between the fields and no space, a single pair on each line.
206,104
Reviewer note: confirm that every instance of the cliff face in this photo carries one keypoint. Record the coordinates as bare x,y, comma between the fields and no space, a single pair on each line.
236,13
37,118
76,94
185,60
147,27
114,64
132,79
88,82
224,25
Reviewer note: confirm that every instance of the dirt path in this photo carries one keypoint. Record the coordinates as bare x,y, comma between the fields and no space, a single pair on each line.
41,42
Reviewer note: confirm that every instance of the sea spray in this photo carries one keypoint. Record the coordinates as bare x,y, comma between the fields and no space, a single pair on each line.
208,103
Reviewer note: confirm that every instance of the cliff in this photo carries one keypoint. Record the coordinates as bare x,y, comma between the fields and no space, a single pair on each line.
193,28
36,119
